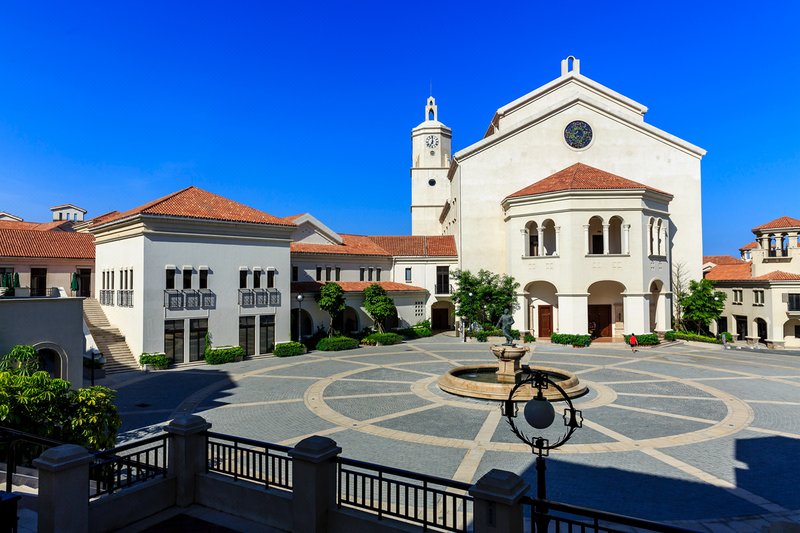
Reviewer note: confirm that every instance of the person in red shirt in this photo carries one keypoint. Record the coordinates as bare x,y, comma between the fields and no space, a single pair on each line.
633,342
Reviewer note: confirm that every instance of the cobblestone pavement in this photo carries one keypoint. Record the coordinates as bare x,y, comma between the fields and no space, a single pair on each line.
696,435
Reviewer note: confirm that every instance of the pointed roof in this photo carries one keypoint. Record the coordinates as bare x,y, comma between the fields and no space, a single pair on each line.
351,245
749,246
581,177
722,260
737,272
779,223
195,203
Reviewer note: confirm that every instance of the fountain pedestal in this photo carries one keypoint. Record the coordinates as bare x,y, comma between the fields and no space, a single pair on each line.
508,362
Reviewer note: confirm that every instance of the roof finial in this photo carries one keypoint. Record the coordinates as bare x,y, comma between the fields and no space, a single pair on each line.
576,66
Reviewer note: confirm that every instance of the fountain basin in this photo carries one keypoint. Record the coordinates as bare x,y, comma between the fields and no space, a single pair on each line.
480,381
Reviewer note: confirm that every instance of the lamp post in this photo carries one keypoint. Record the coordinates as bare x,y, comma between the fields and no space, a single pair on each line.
540,414
299,318
464,319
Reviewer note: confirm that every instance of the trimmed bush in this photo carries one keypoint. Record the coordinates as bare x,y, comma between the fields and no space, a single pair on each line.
311,342
417,332
571,339
226,354
384,339
483,334
728,336
334,344
156,360
289,349
529,338
673,335
645,339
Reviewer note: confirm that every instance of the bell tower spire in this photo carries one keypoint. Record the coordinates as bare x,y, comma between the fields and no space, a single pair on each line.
430,160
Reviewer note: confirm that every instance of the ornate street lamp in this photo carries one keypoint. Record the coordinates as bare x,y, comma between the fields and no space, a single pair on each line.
540,414
299,318
464,320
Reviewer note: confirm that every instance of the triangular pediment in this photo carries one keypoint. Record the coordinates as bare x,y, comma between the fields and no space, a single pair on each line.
311,230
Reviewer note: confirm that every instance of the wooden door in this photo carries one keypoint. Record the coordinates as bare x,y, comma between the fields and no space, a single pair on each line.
38,281
85,282
600,321
545,320
440,319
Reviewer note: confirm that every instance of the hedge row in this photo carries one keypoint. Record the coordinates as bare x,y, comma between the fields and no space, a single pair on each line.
673,335
156,360
483,334
334,344
219,356
570,339
288,349
383,339
645,339
416,332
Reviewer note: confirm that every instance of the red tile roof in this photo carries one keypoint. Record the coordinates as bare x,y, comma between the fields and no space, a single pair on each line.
583,177
779,275
722,260
417,245
351,245
36,226
193,202
737,272
49,244
749,246
355,286
779,223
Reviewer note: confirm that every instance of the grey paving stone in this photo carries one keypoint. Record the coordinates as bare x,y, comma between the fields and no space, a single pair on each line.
709,409
366,408
640,426
317,368
604,375
450,422
258,389
661,388
679,371
343,387
271,423
379,374
751,389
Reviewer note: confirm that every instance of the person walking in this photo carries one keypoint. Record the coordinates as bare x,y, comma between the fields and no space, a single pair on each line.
633,342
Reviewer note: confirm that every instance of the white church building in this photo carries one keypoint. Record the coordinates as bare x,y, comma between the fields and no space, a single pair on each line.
573,194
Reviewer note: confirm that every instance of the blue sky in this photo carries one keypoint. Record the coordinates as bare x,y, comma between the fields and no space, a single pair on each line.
307,107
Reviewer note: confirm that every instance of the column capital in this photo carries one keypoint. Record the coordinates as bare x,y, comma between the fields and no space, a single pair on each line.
187,425
63,457
315,449
500,486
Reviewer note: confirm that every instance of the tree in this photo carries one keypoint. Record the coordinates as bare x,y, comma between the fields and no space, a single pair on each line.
679,292
331,300
702,304
378,305
491,293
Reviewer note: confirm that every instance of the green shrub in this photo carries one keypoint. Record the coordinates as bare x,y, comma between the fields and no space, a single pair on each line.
673,335
529,337
482,335
571,339
156,360
416,332
311,342
22,359
384,339
424,324
288,349
728,336
669,336
645,339
227,354
334,344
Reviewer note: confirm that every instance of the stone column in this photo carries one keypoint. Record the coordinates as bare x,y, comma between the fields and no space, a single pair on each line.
626,239
573,313
606,247
497,508
526,243
636,312
586,239
63,502
793,239
558,241
187,454
314,483
541,242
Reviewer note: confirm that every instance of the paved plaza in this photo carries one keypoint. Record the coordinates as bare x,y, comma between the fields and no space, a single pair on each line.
692,434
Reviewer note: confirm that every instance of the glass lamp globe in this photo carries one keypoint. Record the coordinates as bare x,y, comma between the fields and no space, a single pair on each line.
539,413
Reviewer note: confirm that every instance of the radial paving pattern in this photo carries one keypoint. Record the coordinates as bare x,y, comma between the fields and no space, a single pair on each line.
675,433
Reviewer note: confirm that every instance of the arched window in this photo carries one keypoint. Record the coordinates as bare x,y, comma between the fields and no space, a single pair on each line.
548,247
596,235
532,236
615,235
658,236
650,240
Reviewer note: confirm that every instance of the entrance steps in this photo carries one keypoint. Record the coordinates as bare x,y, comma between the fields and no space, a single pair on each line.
109,340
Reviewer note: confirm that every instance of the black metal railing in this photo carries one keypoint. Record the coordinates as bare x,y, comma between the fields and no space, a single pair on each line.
106,297
18,447
556,517
127,465
173,299
444,288
125,298
208,299
261,462
191,299
261,297
247,297
435,503
274,297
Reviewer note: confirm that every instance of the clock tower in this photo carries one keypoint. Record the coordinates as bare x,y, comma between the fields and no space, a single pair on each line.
430,160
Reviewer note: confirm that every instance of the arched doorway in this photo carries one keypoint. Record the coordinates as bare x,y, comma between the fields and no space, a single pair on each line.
306,325
605,311
761,328
392,322
542,316
791,333
658,303
347,322
442,315
50,362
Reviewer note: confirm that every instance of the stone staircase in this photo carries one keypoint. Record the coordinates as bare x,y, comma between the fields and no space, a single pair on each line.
109,340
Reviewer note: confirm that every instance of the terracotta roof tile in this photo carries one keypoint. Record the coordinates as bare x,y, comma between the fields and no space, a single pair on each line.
779,275
355,286
780,223
442,246
193,202
417,245
737,272
749,246
351,245
51,244
580,177
722,260
58,225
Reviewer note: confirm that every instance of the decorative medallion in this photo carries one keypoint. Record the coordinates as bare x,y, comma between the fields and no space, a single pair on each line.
578,134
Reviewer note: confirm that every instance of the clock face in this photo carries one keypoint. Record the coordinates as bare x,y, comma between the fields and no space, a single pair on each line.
432,141
578,134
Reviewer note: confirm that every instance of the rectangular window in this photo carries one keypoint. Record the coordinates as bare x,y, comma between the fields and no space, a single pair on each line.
187,279
328,273
295,273
442,280
377,274
319,273
758,297
39,282
270,279
338,273
130,278
121,280
197,338
369,274
256,279
408,275
247,334
173,340
737,296
204,279
110,277
794,302
266,334
170,281
361,275
243,279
